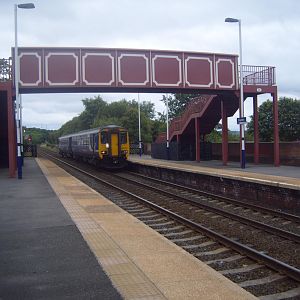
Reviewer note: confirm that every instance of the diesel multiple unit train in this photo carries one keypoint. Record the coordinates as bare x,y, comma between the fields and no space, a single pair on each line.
106,147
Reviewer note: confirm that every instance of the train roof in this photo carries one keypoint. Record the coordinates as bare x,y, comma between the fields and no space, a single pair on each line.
89,131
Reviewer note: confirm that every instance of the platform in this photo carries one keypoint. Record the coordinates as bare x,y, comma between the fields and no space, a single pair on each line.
42,253
140,263
283,176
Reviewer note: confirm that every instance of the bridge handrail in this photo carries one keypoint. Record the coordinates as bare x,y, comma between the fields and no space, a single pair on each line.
195,106
258,75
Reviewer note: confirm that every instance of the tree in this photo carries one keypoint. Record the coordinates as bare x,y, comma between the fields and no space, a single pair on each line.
38,136
214,137
289,120
93,107
98,113
125,113
157,127
71,126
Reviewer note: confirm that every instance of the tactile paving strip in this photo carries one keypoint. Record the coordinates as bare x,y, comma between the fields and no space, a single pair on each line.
125,275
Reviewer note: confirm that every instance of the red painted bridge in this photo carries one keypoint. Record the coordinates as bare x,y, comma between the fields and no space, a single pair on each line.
66,70
119,70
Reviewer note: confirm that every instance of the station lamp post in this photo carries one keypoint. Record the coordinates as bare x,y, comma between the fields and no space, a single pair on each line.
17,78
242,125
140,138
168,144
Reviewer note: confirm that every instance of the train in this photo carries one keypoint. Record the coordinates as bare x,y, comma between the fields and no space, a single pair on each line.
106,147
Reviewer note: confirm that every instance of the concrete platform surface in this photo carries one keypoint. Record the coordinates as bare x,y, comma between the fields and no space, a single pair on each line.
141,263
283,176
42,253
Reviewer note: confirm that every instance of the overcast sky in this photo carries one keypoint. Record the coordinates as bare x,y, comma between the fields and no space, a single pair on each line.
270,34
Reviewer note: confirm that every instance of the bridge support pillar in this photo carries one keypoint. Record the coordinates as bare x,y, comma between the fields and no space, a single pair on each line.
8,129
276,130
224,133
256,134
197,135
11,133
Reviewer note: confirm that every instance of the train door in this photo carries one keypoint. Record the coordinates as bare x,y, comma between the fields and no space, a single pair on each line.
114,144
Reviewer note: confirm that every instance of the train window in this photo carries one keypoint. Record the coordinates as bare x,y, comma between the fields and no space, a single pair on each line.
123,137
104,137
96,141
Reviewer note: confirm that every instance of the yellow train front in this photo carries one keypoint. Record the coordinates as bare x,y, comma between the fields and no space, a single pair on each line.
113,146
106,147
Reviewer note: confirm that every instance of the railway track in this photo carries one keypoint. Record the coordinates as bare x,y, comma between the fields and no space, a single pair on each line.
280,224
256,258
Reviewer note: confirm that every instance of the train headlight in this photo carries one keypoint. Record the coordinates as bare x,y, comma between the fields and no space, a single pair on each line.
103,152
107,145
124,151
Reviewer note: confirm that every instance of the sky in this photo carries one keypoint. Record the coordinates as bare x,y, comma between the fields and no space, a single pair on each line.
270,37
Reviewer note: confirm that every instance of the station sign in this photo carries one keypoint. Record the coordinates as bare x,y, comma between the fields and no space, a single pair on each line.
241,121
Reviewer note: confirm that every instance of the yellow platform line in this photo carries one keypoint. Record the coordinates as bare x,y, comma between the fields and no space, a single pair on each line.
124,274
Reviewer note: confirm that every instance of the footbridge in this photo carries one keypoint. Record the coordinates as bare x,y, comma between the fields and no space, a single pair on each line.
203,113
213,75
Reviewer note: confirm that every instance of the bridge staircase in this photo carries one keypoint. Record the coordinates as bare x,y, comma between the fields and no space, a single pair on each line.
207,108
204,107
256,80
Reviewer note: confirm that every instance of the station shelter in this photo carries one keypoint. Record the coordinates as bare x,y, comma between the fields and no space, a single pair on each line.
104,70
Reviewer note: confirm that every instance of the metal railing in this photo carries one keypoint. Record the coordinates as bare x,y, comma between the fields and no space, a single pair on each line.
5,69
258,75
135,149
30,151
196,106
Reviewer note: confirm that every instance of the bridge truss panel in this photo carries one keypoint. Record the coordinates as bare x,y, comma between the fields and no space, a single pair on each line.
59,69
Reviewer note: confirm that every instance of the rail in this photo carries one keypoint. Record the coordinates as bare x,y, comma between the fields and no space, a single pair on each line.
228,200
258,75
231,215
259,256
195,106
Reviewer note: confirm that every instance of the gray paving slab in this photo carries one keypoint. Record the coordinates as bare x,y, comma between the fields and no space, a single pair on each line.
42,253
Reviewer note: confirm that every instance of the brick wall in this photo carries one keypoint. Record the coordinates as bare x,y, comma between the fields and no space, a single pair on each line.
289,152
249,192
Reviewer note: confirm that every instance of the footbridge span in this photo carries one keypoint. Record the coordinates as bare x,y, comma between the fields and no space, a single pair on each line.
83,70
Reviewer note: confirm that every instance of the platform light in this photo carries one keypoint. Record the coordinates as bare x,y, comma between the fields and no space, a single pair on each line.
17,78
26,5
168,144
242,126
140,138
